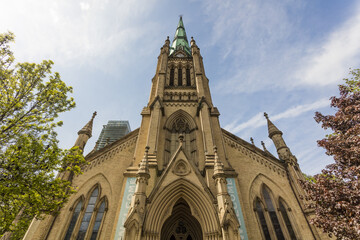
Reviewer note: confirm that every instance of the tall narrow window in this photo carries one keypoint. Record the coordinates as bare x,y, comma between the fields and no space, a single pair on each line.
262,220
273,216
98,219
171,77
287,221
179,77
73,220
188,80
88,213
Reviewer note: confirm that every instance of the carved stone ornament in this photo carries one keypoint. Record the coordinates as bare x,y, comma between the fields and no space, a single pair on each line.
181,168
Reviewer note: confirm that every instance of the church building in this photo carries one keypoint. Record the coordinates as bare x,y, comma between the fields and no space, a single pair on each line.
180,175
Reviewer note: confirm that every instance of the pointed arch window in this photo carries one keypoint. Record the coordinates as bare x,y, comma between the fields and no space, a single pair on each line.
272,214
188,80
73,220
180,76
262,220
98,220
172,73
86,222
287,220
88,213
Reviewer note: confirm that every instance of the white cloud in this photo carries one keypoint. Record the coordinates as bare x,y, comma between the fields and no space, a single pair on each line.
71,33
332,60
259,120
84,6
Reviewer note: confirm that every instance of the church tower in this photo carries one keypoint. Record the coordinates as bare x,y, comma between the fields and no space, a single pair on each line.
180,175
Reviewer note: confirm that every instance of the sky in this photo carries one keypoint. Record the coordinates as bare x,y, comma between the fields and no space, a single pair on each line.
283,57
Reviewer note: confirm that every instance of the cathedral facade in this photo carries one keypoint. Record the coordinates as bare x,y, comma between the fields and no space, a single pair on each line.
180,175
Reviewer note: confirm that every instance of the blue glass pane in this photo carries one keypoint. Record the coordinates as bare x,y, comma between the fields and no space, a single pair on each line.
87,217
84,226
287,221
97,226
92,200
102,207
261,216
99,217
273,216
73,221
90,208
95,192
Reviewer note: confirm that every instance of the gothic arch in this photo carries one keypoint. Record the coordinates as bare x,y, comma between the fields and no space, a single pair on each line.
257,184
180,122
180,114
100,179
201,207
277,195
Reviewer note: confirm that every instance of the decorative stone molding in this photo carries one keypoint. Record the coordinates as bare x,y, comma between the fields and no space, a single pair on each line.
277,168
180,104
181,168
109,154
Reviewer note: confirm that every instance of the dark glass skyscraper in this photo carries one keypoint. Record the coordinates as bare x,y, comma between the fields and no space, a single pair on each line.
112,131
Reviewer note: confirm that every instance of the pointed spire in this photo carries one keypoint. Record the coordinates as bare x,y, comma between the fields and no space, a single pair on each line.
87,129
218,166
271,127
180,41
263,145
144,165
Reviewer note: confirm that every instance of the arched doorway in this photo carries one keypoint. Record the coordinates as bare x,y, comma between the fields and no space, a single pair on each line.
181,225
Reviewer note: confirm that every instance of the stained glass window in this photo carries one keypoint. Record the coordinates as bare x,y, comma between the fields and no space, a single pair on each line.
273,216
287,221
73,220
262,220
88,213
99,216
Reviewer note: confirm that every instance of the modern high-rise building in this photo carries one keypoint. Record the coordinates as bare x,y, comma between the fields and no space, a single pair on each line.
112,131
180,175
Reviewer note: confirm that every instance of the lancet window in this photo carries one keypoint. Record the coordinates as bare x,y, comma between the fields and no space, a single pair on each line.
172,74
180,77
86,221
285,216
262,220
274,221
188,79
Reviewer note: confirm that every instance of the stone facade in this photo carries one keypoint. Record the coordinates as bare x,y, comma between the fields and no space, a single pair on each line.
180,175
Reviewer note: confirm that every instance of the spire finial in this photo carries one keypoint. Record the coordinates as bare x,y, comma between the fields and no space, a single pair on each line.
263,145
144,168
266,115
218,166
94,114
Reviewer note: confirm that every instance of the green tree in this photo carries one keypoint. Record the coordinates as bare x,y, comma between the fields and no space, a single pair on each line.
31,97
335,193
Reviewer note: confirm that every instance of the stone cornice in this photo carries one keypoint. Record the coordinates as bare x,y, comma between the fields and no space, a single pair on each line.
97,157
254,153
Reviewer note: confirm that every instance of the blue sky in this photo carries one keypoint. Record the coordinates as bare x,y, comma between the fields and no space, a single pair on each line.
285,57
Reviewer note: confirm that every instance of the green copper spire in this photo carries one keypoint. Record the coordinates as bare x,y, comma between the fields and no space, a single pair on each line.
180,41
